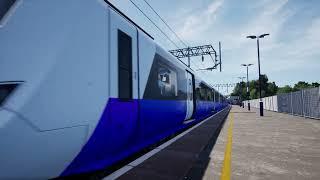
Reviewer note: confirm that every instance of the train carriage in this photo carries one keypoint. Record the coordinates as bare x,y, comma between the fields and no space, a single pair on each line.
83,87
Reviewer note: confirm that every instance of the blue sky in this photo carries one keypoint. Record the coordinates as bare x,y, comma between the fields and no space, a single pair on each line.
291,53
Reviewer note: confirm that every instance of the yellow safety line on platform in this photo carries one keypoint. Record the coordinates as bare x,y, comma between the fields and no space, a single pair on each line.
226,168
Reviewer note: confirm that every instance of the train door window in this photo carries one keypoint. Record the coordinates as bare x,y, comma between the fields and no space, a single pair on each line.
191,91
167,82
124,65
5,6
6,90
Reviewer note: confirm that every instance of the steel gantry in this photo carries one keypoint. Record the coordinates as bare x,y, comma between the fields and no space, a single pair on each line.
199,51
227,85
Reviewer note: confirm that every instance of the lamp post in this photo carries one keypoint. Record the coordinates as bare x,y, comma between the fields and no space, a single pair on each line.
258,37
248,93
241,89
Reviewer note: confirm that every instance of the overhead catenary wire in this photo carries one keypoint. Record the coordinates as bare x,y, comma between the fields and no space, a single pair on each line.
161,29
166,24
194,64
155,24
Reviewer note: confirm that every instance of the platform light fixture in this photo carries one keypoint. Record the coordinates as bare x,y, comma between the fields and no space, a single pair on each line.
240,85
258,37
248,93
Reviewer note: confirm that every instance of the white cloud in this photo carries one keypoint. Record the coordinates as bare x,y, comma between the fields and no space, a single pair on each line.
278,54
288,51
199,22
301,50
270,19
237,49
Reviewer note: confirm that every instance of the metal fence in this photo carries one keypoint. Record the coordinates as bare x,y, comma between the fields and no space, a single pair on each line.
302,103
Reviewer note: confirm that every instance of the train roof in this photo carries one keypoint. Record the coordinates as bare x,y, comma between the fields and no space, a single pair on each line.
127,18
161,51
164,53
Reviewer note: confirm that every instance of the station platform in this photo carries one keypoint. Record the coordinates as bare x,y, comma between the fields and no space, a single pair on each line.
275,146
248,147
174,158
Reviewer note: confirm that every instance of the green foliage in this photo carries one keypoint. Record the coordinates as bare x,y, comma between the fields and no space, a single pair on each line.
272,89
285,89
297,87
240,90
301,85
267,88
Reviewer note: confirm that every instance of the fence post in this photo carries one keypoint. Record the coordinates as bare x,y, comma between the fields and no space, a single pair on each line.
291,104
319,100
272,103
302,97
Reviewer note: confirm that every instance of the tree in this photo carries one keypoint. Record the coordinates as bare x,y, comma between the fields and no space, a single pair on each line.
272,89
285,89
301,85
240,90
267,88
297,87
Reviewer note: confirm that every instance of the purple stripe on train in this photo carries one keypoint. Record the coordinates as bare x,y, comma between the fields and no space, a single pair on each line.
126,127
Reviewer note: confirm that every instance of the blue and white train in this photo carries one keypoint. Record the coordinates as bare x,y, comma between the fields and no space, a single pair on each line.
83,87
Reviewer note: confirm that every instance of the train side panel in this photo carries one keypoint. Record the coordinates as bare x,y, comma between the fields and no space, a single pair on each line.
93,90
59,50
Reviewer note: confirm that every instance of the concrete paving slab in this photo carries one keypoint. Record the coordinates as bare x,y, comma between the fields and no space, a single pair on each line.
276,146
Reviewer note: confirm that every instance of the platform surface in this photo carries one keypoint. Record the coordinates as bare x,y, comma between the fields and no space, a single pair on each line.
276,146
175,161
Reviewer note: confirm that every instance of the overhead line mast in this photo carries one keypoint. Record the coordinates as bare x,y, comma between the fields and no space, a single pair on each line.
199,51
188,51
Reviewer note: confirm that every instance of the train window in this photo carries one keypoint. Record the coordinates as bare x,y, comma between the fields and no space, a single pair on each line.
5,6
198,97
210,97
203,92
125,65
217,96
165,81
5,91
191,93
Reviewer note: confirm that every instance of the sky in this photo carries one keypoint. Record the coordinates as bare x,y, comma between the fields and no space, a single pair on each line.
290,54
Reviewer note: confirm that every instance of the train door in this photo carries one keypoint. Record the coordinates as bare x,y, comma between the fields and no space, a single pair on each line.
123,82
190,95
124,59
